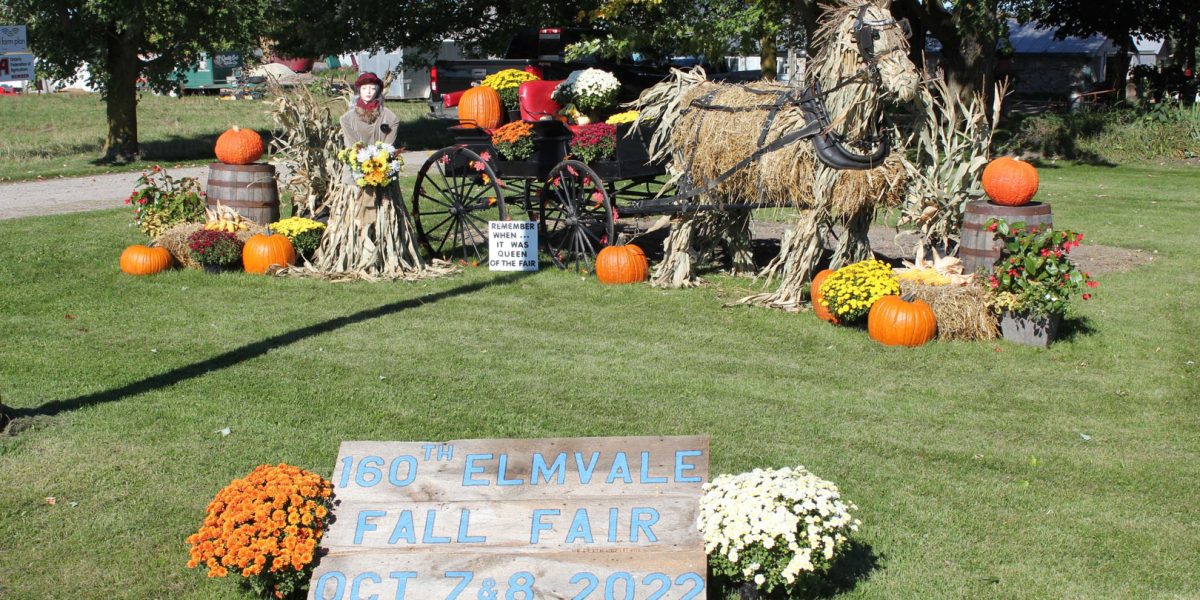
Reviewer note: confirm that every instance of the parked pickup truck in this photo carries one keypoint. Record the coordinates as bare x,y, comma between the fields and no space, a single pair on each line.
541,52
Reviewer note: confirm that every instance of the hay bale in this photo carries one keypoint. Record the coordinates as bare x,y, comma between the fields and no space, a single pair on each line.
710,141
175,240
962,310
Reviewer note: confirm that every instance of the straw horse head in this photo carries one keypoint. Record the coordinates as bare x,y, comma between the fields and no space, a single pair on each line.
862,60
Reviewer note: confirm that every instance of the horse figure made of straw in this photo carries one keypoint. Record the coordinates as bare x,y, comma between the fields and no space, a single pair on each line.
821,149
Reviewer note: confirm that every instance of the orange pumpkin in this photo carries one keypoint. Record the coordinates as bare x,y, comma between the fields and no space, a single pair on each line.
480,107
1010,182
622,264
239,146
262,252
895,321
818,299
144,260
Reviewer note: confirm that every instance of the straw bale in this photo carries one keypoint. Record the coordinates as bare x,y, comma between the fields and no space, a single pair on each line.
175,240
961,310
710,141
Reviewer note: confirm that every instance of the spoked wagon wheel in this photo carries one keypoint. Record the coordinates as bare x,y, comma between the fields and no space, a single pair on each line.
576,218
455,196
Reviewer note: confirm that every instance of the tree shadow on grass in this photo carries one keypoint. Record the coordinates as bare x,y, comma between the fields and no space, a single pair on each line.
248,352
856,564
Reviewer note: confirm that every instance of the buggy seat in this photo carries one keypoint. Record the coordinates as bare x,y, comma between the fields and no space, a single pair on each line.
535,102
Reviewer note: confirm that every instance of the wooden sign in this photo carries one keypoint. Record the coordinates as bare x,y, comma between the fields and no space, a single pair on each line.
512,246
575,518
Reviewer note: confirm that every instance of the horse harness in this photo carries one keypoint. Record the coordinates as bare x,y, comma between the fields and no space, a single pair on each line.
829,146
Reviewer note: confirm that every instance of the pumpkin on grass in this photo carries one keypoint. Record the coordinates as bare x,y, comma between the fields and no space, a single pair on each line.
262,252
239,146
480,107
818,299
1010,182
145,260
617,265
901,321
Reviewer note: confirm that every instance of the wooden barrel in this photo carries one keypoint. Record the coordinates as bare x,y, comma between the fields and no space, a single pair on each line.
979,250
248,189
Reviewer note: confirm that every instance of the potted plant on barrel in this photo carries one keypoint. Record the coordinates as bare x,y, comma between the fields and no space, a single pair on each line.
216,250
1032,285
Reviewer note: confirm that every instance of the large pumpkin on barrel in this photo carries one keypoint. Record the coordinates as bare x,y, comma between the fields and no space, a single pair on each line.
1010,182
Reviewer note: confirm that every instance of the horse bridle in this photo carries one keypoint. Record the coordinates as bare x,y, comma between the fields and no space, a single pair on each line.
866,31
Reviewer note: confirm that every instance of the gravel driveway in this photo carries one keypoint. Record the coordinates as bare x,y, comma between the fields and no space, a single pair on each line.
98,192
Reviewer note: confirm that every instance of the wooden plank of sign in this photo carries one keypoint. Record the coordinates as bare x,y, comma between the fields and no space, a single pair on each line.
566,575
441,479
661,522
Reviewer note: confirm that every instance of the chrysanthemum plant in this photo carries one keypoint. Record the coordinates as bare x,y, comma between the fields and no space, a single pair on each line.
774,528
265,527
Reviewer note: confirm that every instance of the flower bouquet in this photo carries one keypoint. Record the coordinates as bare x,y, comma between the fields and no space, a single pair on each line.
506,83
514,141
597,141
590,90
773,527
305,234
215,249
265,527
1032,285
850,291
374,165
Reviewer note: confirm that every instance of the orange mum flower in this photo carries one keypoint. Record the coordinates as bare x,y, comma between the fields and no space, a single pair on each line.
256,521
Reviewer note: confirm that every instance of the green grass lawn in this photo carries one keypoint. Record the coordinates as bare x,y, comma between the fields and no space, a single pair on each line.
63,134
983,470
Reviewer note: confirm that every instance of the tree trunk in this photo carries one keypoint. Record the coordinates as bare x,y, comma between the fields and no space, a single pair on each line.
120,95
769,57
1120,66
1191,30
969,63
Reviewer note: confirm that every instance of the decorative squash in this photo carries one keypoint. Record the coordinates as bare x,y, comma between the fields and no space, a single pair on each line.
239,146
480,107
622,264
818,303
896,321
1010,182
144,260
262,252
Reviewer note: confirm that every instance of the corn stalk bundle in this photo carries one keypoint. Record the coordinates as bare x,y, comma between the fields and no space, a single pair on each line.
952,150
306,150
381,249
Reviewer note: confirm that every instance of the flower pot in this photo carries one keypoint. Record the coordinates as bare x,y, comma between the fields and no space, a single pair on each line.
216,269
513,115
1030,330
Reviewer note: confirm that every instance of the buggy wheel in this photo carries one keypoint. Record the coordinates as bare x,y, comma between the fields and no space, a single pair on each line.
575,217
455,196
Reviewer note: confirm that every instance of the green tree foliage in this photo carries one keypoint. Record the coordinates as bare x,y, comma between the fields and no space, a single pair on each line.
124,41
968,31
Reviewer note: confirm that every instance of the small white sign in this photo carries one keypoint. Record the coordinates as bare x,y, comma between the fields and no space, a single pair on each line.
13,38
16,67
512,246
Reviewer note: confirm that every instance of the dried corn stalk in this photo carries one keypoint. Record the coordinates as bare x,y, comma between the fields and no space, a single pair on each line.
952,149
305,151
